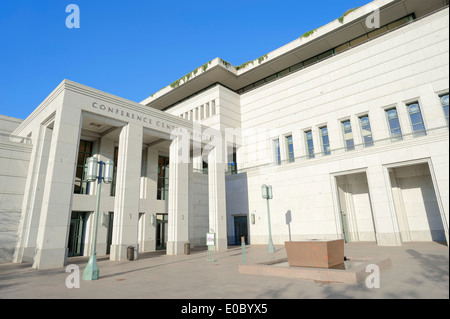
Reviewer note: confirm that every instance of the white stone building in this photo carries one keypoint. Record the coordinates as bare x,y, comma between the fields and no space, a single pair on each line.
348,124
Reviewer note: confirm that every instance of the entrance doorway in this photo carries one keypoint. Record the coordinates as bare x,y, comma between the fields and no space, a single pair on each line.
355,207
161,231
418,214
240,229
110,232
76,234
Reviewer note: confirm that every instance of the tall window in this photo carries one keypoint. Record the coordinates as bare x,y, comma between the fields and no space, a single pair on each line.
290,148
163,178
325,141
277,153
113,184
415,115
310,144
366,130
348,135
84,152
444,102
394,124
232,168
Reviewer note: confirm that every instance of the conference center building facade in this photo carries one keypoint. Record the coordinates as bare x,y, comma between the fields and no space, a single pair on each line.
348,124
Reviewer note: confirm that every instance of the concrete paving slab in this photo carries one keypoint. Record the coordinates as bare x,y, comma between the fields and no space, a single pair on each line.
418,270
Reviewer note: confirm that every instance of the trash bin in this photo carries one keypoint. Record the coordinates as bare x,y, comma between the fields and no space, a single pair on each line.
187,248
130,253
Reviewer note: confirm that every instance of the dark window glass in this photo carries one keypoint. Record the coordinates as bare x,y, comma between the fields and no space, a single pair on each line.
163,178
290,148
348,135
394,124
444,102
366,130
325,141
277,151
415,116
310,144
84,152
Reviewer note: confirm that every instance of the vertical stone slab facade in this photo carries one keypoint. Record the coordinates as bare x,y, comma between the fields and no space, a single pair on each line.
57,198
126,205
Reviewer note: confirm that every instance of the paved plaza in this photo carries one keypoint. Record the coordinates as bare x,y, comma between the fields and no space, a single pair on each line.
418,270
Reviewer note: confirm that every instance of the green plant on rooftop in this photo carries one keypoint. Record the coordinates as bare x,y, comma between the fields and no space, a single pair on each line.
262,58
186,77
205,66
307,34
227,64
341,19
243,65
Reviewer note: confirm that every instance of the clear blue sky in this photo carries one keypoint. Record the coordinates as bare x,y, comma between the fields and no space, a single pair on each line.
134,48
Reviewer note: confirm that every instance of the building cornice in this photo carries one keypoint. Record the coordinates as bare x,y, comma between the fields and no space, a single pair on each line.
69,86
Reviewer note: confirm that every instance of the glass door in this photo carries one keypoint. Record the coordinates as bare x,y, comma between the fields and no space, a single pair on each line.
76,234
240,229
110,231
161,231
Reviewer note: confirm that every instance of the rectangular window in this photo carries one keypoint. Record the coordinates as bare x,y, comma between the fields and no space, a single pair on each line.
277,153
296,67
283,73
84,152
366,130
444,102
325,141
325,54
359,40
348,135
310,144
394,124
342,47
310,61
377,32
398,23
113,184
415,115
290,148
163,178
232,167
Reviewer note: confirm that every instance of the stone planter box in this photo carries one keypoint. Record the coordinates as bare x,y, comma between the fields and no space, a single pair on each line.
315,253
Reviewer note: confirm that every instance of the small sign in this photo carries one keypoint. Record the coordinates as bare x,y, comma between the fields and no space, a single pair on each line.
210,239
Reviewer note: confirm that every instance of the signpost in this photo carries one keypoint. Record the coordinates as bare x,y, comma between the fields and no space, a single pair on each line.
266,191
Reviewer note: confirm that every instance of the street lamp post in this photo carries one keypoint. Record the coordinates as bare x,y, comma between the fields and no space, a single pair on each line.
266,191
91,271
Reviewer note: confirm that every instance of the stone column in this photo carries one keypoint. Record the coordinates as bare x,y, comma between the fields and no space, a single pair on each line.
147,241
217,197
126,204
180,203
51,244
105,152
383,208
34,188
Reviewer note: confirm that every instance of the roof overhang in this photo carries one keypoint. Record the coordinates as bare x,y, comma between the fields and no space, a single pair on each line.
324,38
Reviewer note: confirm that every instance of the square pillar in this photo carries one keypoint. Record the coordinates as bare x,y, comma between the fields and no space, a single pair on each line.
180,203
34,188
217,197
51,243
126,204
383,208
